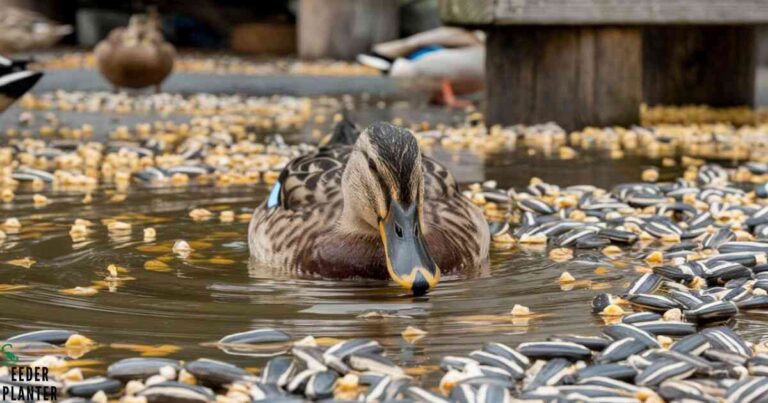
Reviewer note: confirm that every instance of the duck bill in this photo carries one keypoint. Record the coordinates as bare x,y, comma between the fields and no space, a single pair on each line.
408,260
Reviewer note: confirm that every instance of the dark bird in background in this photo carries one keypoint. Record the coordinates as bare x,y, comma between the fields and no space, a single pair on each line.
15,81
136,56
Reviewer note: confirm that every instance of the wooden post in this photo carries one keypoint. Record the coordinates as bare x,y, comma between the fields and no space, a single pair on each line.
713,65
341,29
574,76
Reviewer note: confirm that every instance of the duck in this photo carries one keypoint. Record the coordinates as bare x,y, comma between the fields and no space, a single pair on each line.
136,56
23,30
15,81
445,62
369,205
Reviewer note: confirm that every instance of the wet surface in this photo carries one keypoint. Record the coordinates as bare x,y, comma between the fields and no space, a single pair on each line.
191,302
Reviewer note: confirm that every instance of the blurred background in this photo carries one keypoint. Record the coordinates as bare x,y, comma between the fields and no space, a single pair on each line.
255,27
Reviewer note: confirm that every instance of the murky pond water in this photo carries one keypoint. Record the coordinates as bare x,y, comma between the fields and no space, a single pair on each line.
191,302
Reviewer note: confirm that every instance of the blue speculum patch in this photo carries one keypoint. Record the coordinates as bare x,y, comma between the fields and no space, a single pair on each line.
423,52
274,195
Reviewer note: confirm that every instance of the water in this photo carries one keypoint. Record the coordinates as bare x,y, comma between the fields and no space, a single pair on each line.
215,292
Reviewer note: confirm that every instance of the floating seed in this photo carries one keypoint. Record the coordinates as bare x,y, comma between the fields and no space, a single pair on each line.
52,336
257,336
139,368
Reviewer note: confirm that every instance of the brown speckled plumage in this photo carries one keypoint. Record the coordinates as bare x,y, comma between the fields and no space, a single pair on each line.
304,231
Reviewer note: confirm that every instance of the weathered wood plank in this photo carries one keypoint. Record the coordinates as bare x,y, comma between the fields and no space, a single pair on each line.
467,12
699,65
618,80
575,76
344,28
585,12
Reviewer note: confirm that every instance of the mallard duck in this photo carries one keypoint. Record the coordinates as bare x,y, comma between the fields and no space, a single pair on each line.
136,56
375,208
445,61
15,81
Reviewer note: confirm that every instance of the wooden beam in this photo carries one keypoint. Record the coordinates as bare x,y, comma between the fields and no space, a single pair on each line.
467,12
574,76
699,65
596,12
342,29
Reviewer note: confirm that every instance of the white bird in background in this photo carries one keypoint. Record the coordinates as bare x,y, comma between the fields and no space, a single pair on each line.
446,61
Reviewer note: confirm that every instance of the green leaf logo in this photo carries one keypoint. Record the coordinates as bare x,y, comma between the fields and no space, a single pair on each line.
9,357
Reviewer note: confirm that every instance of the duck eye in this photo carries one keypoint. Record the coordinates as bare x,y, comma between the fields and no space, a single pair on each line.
398,231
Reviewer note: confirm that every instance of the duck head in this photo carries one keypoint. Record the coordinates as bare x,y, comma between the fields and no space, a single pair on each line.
383,189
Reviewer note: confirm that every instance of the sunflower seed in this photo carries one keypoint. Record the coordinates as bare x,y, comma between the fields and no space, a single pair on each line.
377,389
645,284
552,373
664,370
758,302
640,317
216,373
311,357
89,387
499,361
681,390
299,382
258,336
492,394
320,385
623,330
686,299
375,363
554,349
594,343
726,339
615,371
694,344
176,392
748,391
448,363
652,302
666,328
278,371
139,368
53,336
713,312
423,395
620,350
507,352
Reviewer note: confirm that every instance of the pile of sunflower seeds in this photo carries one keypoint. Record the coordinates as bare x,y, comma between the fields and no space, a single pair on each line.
703,240
627,363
